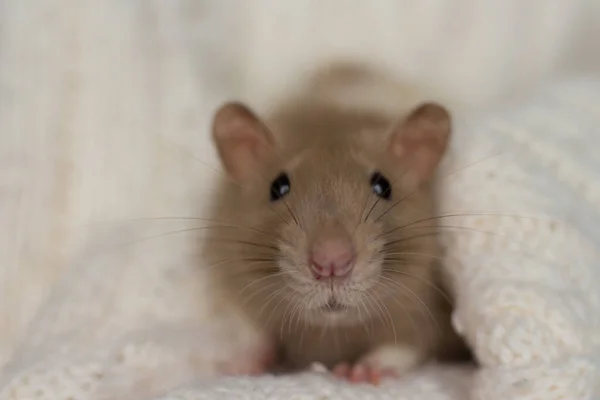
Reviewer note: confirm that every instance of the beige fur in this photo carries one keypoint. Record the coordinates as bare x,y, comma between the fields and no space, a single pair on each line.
329,151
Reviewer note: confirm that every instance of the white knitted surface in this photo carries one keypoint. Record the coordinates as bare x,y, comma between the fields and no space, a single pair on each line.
528,298
99,112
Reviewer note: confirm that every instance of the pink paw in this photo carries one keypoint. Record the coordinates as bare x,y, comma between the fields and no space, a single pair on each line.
363,373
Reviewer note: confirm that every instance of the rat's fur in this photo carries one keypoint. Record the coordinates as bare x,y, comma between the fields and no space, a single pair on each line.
258,249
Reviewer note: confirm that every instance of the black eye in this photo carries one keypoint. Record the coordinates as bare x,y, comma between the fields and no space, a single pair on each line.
381,186
280,187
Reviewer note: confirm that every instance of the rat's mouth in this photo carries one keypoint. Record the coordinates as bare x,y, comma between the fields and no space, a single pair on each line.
333,305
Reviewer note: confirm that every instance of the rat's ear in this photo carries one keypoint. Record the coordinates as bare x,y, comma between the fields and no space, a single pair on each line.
242,140
420,140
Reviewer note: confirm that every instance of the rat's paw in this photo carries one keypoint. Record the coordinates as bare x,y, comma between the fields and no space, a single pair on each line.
388,361
363,373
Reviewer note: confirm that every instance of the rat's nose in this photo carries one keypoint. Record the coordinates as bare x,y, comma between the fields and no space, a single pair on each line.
332,257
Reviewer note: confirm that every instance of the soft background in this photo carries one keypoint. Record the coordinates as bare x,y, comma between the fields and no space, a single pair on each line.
104,108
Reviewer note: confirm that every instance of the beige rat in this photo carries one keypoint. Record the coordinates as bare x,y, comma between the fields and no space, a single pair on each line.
326,237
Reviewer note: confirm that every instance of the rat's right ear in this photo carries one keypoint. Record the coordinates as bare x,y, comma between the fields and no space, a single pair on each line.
242,140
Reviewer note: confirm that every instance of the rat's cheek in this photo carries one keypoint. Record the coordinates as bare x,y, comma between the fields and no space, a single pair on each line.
293,255
367,272
293,230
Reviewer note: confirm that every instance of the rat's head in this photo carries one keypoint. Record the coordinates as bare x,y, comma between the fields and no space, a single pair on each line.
331,201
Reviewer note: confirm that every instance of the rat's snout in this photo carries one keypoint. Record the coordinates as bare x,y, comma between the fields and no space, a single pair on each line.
332,254
332,258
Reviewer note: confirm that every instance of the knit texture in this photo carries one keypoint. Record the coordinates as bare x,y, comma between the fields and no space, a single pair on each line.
104,126
524,266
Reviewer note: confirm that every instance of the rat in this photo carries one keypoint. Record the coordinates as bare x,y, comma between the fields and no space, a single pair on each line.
325,231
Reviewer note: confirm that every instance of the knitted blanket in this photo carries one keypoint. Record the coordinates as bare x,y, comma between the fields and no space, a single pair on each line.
111,304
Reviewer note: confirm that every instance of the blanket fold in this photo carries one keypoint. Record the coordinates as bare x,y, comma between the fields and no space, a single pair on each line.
106,120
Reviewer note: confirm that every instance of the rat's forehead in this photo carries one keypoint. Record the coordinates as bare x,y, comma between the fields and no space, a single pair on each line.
326,159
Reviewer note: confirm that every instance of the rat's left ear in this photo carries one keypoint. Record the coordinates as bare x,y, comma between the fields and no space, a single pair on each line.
420,140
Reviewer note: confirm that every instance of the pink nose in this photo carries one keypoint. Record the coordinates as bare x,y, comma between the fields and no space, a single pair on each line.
332,257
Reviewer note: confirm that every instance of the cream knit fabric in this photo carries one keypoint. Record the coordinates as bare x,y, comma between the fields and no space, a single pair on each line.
101,108
129,325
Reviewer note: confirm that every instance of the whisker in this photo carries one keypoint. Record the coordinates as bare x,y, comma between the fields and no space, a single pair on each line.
437,217
291,213
472,164
164,234
381,313
418,298
292,315
217,223
223,173
394,205
189,230
366,326
402,253
522,250
412,237
422,280
186,152
436,231
256,293
192,156
324,330
247,242
429,182
248,259
405,309
283,200
362,212
379,198
285,317
372,208
391,320
268,300
336,341
305,327
255,281
297,313
278,215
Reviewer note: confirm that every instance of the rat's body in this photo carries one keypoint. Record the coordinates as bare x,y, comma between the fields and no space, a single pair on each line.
326,238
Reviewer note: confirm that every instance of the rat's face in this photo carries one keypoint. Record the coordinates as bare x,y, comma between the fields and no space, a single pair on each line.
338,217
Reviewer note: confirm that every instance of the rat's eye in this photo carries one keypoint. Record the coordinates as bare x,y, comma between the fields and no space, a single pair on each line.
280,187
381,186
